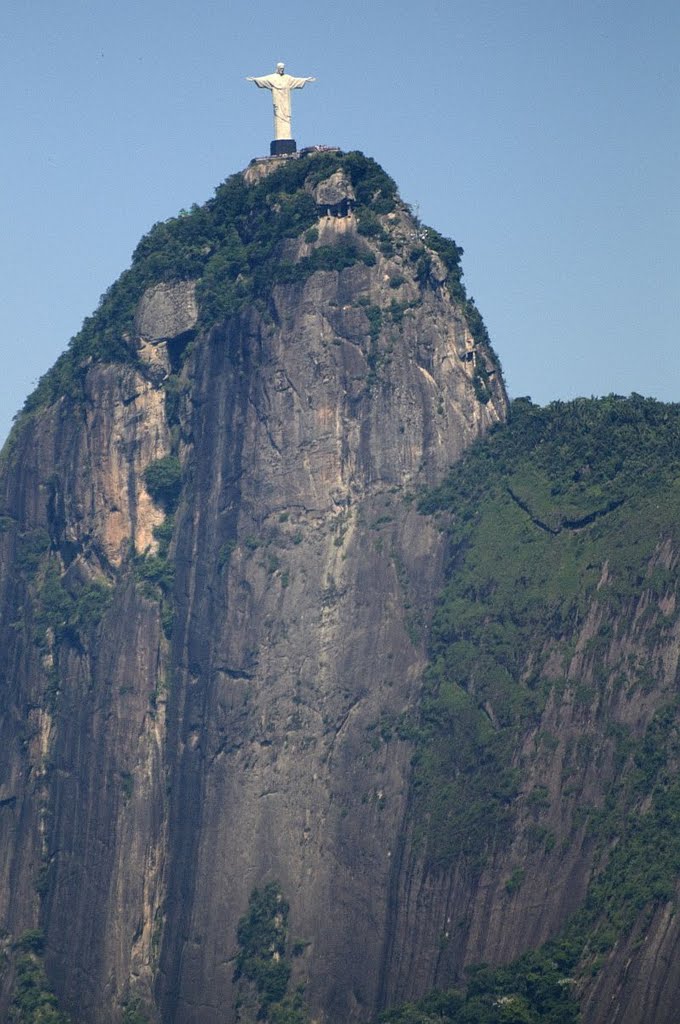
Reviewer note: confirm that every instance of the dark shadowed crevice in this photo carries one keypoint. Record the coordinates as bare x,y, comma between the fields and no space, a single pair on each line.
566,524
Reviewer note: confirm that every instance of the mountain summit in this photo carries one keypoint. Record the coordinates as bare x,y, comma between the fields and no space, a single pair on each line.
216,593
333,686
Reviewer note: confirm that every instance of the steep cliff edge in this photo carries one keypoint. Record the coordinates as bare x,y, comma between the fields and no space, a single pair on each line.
216,591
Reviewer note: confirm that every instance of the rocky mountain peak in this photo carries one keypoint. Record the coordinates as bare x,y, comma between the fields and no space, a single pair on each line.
217,586
310,703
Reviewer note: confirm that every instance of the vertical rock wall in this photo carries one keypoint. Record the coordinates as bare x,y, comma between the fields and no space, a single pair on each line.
81,747
146,783
305,577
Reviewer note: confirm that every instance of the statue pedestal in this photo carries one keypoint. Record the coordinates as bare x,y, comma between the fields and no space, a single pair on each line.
279,147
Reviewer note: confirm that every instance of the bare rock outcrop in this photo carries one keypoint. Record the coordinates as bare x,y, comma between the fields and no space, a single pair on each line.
167,310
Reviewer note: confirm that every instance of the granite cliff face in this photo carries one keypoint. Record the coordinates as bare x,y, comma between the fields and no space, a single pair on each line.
191,709
236,649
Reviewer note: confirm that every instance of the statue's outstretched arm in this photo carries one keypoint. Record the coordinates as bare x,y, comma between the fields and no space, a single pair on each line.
299,83
261,83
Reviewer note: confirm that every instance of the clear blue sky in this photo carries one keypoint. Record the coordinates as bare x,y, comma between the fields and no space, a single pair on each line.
543,135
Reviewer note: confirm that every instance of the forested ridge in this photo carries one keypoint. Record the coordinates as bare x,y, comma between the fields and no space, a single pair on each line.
535,513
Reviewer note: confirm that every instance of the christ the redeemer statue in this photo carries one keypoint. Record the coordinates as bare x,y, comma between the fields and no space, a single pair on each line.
280,85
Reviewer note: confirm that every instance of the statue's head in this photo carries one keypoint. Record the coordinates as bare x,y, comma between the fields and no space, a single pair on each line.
280,67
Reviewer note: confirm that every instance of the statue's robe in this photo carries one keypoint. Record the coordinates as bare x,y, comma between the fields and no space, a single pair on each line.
280,86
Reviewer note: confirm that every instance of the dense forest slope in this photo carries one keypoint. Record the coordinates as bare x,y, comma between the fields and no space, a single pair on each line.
545,801
298,722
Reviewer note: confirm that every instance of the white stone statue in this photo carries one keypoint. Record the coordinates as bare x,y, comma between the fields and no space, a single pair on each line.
280,85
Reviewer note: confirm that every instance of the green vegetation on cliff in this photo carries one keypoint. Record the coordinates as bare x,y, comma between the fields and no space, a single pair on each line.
262,966
535,515
562,524
33,1001
163,479
536,989
70,610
